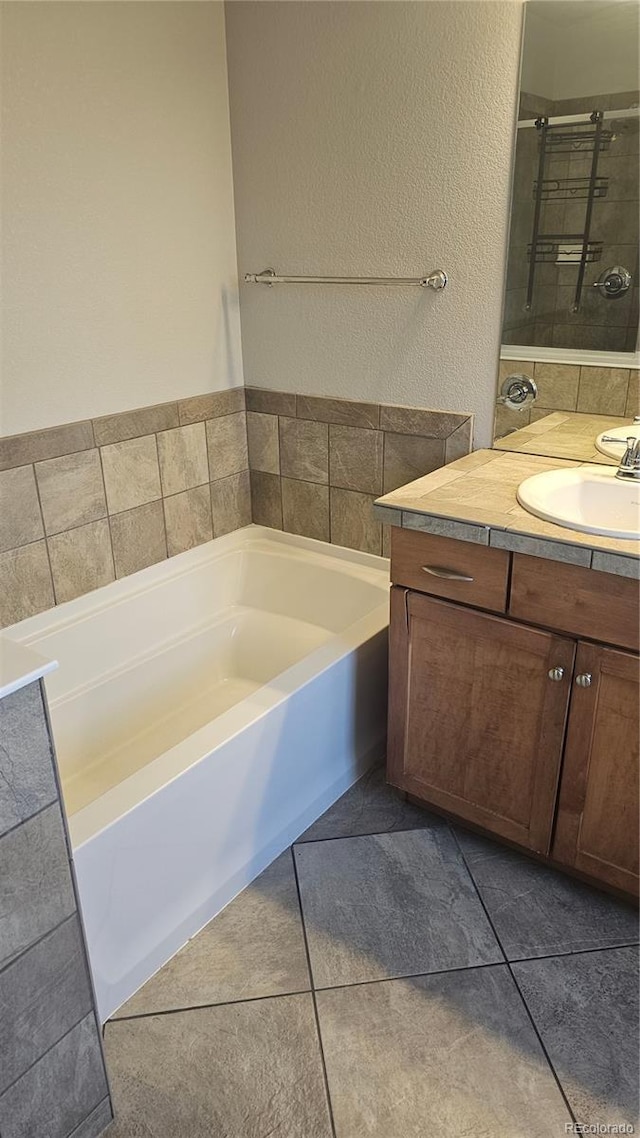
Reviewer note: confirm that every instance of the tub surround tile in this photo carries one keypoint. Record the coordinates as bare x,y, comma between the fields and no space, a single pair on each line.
182,453
603,390
200,407
266,499
253,948
188,519
134,424
264,446
271,402
58,1093
390,905
355,458
96,1123
371,806
446,1055
131,473
246,1069
407,457
304,450
350,413
557,385
417,421
71,490
138,538
231,503
81,560
353,523
36,892
43,994
633,398
459,442
537,911
26,586
20,517
305,509
27,780
35,446
227,445
586,1011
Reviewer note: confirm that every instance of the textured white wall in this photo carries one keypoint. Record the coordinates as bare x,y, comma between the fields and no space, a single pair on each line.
374,138
119,260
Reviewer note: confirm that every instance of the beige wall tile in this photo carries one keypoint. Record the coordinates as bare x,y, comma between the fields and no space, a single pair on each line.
633,398
71,490
131,473
603,390
346,411
34,446
138,538
407,457
459,442
305,509
514,367
557,386
188,519
134,424
355,458
231,503
386,541
507,420
264,446
266,499
183,458
271,402
304,450
25,583
201,407
81,560
353,523
20,519
416,421
227,445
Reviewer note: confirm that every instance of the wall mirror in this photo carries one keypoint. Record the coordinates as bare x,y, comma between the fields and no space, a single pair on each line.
569,358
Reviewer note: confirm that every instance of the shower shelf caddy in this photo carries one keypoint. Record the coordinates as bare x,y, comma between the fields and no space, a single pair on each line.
582,250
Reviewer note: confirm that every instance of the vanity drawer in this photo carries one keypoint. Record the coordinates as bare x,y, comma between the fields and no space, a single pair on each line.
571,598
444,567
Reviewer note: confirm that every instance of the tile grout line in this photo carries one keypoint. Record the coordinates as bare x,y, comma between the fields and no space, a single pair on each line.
313,995
515,982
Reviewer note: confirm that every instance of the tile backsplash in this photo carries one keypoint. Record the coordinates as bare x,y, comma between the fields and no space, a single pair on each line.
611,391
85,503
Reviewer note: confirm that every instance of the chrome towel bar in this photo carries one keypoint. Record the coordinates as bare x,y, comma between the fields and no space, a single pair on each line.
436,280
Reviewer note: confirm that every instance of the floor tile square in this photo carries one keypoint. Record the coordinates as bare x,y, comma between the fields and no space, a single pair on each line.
538,911
369,807
586,1010
452,1056
244,1070
390,905
254,947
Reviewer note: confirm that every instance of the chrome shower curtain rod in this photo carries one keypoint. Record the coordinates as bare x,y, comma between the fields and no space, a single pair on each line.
436,280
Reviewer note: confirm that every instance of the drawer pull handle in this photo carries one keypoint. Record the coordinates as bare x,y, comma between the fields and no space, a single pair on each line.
584,680
555,674
447,574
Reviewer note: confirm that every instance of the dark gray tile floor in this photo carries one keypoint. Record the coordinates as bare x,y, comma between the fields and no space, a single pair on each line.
389,977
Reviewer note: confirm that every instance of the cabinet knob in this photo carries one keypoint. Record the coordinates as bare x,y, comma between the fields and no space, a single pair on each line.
584,680
556,674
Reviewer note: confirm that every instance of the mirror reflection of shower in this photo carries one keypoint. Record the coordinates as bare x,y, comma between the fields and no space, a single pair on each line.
572,275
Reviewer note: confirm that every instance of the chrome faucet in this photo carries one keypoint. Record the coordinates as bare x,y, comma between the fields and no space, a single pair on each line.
630,462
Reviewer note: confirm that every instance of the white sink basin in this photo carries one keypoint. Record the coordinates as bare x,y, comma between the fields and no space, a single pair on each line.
589,499
616,450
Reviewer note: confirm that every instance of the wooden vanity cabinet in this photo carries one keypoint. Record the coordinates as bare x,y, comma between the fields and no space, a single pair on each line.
525,731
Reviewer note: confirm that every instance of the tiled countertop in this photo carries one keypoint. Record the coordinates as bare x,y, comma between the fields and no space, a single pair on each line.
563,434
474,499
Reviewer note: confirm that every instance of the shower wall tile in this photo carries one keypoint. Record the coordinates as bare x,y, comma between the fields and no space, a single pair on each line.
231,503
603,391
71,490
26,586
633,396
557,386
183,458
26,766
81,560
131,473
304,450
188,519
138,538
355,458
20,517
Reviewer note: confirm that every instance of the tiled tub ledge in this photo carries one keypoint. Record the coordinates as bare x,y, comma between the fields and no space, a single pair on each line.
474,499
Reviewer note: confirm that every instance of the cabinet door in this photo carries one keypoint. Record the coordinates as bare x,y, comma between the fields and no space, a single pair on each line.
597,826
476,721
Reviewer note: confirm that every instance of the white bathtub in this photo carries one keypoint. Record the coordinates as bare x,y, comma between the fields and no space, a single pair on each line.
206,710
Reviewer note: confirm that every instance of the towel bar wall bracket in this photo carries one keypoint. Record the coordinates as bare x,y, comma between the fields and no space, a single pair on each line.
435,280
